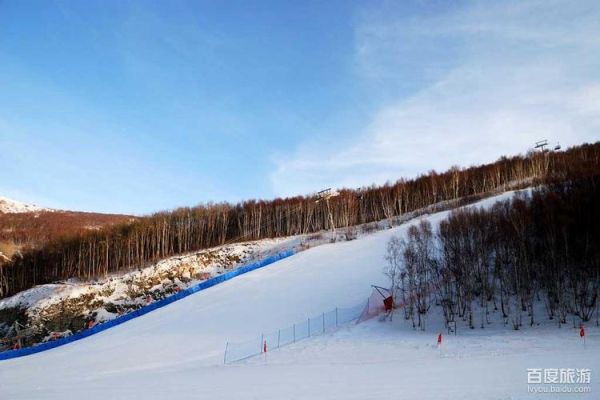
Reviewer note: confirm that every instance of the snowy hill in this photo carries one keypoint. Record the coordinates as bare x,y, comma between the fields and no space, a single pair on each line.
9,206
177,351
68,306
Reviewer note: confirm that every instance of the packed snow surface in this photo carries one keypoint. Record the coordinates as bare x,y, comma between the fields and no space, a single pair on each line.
192,267
9,206
177,351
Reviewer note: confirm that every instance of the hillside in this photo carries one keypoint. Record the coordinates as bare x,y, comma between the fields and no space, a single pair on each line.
63,308
25,226
181,346
9,206
146,240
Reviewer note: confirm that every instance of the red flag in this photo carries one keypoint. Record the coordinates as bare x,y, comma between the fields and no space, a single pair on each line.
440,339
582,331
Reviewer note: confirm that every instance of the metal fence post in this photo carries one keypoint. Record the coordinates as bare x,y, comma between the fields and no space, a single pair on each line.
352,313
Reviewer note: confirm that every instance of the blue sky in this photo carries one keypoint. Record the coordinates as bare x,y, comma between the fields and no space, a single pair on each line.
138,106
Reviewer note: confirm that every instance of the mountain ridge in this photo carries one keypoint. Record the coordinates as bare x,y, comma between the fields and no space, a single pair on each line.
10,206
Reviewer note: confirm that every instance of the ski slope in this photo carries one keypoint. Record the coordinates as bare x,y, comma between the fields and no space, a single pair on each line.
177,351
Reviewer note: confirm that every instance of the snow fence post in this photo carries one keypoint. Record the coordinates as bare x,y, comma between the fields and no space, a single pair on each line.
225,355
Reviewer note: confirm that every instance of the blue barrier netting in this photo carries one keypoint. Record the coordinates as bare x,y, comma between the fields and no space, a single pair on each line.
146,309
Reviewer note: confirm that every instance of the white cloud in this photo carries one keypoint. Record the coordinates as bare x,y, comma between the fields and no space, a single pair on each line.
515,73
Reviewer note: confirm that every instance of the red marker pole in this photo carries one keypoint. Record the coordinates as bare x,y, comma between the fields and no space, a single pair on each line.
265,349
439,343
582,334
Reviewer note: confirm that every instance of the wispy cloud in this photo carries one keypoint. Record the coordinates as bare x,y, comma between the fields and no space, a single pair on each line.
488,80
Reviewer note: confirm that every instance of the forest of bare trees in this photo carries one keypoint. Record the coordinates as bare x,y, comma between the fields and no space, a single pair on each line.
538,248
34,229
147,239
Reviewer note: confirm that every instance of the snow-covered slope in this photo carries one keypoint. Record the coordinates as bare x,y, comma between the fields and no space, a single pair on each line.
9,206
68,306
177,351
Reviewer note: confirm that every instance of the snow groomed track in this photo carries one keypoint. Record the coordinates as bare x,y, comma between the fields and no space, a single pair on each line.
6,355
177,351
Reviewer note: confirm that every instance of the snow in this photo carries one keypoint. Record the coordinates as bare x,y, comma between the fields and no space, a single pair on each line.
182,271
9,206
177,351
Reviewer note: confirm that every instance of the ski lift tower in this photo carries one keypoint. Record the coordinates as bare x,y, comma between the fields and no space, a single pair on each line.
327,194
541,145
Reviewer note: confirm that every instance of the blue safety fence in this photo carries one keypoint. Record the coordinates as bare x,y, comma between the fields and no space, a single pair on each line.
146,309
317,325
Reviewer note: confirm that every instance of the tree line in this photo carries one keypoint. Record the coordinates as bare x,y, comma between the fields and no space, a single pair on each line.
147,239
543,247
34,229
